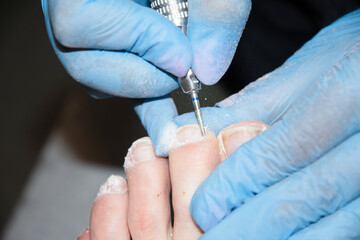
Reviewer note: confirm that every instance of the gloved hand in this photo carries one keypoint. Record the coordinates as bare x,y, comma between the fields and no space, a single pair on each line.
124,48
300,179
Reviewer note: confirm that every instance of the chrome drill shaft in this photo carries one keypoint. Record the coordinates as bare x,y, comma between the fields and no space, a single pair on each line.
196,104
177,12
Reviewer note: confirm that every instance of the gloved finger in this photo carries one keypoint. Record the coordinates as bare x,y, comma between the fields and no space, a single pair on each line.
191,160
214,31
95,93
85,235
268,98
343,224
117,73
119,26
149,192
307,131
108,218
157,117
294,203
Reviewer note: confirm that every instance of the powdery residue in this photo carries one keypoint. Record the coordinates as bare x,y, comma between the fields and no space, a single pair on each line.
113,185
220,12
86,232
165,139
213,55
229,101
237,97
141,150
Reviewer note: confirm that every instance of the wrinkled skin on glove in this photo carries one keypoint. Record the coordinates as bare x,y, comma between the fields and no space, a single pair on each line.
300,179
124,48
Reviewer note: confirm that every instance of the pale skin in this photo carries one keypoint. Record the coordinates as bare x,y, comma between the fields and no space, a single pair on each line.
139,208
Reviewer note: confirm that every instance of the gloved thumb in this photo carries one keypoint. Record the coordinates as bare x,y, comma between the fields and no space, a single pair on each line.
214,30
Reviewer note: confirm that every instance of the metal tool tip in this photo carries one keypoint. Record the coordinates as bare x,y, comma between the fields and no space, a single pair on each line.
203,130
196,104
200,121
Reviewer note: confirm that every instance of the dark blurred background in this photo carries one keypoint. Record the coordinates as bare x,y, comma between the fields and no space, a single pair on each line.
38,98
37,95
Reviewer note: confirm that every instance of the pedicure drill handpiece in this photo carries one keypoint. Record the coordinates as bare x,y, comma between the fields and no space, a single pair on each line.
177,12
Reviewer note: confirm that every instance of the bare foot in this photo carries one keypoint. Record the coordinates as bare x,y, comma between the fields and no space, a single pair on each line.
140,207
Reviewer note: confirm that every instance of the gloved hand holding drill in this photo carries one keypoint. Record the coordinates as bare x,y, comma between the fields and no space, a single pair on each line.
123,48
299,179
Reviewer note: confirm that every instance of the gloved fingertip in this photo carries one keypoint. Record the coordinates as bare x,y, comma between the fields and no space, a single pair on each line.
170,49
213,54
214,31
207,77
196,213
175,60
204,214
193,211
157,117
182,64
95,93
164,139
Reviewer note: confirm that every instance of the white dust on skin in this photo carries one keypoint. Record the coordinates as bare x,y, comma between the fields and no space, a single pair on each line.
237,97
86,231
113,185
141,150
165,140
148,153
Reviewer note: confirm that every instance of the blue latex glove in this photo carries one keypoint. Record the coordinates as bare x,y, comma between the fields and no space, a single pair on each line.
300,179
123,48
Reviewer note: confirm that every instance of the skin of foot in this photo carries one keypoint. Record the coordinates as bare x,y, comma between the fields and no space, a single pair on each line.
139,208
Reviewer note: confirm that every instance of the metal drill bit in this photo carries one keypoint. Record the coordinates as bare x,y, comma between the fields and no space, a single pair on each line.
196,103
191,85
177,12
